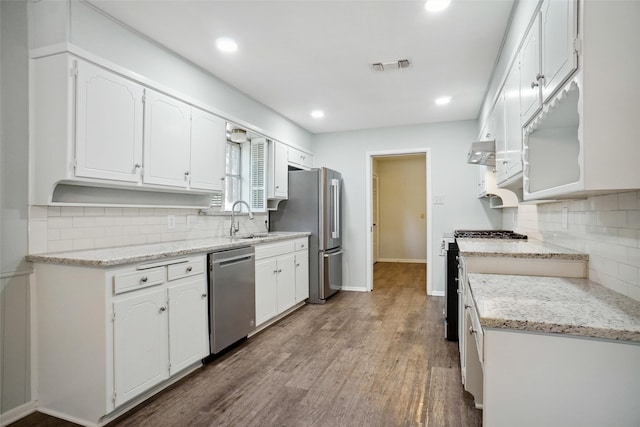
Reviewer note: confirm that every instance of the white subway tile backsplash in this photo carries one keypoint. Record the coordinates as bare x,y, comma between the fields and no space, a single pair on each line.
83,221
93,211
607,227
71,211
60,222
60,245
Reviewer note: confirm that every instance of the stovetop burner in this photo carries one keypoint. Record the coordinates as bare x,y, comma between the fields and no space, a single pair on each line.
488,234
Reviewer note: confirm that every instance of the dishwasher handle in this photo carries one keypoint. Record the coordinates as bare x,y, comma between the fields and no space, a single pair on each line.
231,260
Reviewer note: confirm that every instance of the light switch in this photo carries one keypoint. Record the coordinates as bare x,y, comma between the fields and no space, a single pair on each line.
438,200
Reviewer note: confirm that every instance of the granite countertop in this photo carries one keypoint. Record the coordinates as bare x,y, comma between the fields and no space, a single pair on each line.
108,257
505,248
555,305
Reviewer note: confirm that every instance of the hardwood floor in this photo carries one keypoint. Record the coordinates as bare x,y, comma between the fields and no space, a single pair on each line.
362,359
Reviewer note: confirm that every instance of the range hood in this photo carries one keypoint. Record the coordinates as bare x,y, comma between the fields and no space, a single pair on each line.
482,153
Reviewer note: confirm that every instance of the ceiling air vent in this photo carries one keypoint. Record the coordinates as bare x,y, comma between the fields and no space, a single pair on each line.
390,65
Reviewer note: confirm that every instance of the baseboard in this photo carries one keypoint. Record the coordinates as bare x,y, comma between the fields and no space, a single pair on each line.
17,413
412,261
354,288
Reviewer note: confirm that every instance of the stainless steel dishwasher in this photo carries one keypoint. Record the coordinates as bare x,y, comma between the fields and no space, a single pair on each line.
232,296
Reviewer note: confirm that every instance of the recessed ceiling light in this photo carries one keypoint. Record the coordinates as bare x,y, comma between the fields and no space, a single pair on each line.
443,100
317,114
226,44
436,5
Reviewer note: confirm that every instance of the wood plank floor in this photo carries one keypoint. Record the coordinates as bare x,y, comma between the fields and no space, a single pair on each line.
362,359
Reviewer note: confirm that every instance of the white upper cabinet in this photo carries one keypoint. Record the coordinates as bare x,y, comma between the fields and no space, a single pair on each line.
278,171
299,158
585,141
167,140
108,125
530,73
559,35
208,142
510,163
497,123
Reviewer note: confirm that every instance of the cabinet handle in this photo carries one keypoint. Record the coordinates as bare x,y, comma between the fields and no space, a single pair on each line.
189,269
471,330
277,186
467,306
137,166
534,85
163,308
280,270
144,279
186,173
204,296
297,265
275,271
539,76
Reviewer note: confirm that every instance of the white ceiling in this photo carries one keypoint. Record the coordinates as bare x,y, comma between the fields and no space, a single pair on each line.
296,56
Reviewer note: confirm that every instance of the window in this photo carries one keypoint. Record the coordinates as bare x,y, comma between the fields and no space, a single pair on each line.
245,174
233,175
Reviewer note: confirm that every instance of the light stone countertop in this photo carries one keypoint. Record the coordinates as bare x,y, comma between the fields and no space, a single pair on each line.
108,257
505,248
555,305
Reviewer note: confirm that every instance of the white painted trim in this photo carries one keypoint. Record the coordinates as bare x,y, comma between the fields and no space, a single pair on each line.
413,261
368,206
437,293
17,413
355,289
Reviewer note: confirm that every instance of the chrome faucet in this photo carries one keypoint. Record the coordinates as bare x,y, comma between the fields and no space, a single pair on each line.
235,227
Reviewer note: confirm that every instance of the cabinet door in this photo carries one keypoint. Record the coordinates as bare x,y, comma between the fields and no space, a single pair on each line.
279,185
167,127
530,73
266,290
108,125
208,144
512,156
140,343
188,327
302,276
286,282
499,134
559,28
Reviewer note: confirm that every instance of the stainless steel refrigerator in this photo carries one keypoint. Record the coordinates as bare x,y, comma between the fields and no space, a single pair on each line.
314,205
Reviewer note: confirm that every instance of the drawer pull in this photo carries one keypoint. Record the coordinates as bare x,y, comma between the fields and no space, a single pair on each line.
163,308
204,295
189,269
144,279
471,330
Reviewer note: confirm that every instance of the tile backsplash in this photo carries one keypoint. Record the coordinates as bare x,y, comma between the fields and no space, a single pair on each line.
54,229
607,227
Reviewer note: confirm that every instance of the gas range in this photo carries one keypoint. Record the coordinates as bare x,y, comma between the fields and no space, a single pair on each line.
488,234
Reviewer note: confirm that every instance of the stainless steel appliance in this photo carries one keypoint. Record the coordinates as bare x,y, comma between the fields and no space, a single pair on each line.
232,296
313,205
453,301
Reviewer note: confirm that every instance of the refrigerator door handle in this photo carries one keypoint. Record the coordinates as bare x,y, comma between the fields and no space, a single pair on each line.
327,255
335,188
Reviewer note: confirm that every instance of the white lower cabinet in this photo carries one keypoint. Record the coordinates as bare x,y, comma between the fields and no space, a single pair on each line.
282,277
302,272
121,332
140,342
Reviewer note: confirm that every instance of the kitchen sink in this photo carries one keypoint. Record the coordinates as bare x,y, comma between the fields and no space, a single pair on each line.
252,236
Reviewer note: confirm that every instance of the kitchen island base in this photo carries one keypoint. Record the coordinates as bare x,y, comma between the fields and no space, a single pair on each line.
535,379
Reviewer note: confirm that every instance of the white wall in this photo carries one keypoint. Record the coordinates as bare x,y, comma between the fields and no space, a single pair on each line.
606,227
402,193
451,178
15,378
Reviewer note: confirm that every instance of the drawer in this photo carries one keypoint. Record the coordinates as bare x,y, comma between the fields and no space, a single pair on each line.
138,280
188,268
301,244
274,249
477,333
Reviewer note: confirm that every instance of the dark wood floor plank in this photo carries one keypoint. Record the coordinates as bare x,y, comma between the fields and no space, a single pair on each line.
361,359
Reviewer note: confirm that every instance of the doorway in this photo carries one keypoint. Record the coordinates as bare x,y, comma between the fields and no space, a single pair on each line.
404,222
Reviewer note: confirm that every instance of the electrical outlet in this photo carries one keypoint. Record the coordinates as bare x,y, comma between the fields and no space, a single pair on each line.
171,222
565,218
192,220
